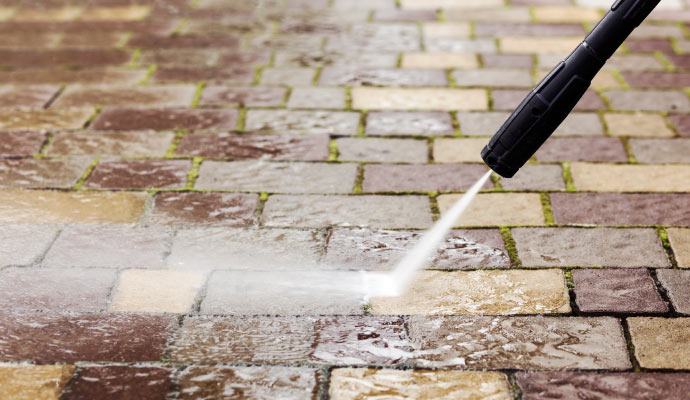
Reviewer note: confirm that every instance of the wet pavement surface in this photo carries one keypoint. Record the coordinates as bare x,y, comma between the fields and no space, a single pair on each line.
198,197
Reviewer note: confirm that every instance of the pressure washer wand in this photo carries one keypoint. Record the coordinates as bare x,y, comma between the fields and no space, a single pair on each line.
543,110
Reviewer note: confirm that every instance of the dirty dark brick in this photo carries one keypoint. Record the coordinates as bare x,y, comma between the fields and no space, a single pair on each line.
621,209
629,385
51,58
111,382
649,45
83,76
602,149
21,143
122,119
253,146
42,173
36,96
681,122
204,209
184,41
507,60
139,174
617,290
48,338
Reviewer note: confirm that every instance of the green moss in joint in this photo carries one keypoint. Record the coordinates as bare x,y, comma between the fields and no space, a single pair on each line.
317,75
568,178
359,180
257,75
546,207
511,247
197,94
333,150
496,179
665,61
80,183
263,196
149,73
663,236
362,123
441,16
569,279
286,97
242,119
348,98
136,55
194,172
619,78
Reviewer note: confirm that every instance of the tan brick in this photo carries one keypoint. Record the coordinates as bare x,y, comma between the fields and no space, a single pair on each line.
38,206
680,243
661,342
369,98
512,14
479,292
532,44
491,209
39,119
123,13
566,14
446,29
360,383
35,382
638,125
160,291
48,14
459,150
603,80
6,13
631,178
439,60
449,4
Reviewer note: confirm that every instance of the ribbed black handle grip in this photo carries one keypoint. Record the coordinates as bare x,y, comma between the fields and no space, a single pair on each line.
545,108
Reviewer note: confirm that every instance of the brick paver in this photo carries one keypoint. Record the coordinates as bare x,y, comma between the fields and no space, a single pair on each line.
194,197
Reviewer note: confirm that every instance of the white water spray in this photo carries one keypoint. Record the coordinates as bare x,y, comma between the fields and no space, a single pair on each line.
395,283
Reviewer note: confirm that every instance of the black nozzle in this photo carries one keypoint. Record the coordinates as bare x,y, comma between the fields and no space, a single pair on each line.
545,107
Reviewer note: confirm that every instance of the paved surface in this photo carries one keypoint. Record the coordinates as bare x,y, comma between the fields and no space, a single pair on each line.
189,186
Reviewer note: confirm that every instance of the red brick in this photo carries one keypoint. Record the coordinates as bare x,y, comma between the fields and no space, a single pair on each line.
49,338
582,149
621,209
649,45
71,57
681,122
122,119
119,382
408,178
184,41
204,209
252,146
617,291
20,143
139,174
648,79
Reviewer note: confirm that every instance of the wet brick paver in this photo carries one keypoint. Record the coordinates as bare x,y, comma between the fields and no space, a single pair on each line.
194,196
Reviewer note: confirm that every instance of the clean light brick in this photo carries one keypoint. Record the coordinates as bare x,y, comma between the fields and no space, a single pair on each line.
458,150
308,122
382,150
661,151
660,342
349,383
156,291
324,98
409,123
531,44
637,125
439,60
676,284
492,209
108,247
479,292
503,77
680,242
418,99
566,14
631,178
408,178
264,176
24,244
366,211
446,29
536,177
608,247
39,119
648,100
17,206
